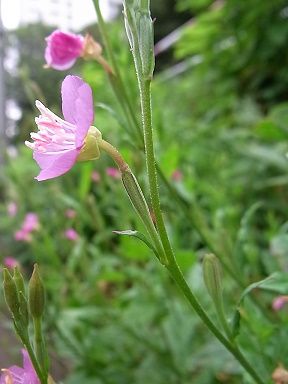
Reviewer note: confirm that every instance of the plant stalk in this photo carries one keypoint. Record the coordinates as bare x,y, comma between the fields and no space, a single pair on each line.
39,346
136,197
38,370
178,277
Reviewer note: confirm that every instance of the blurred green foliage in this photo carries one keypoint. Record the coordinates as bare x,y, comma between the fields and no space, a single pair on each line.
114,316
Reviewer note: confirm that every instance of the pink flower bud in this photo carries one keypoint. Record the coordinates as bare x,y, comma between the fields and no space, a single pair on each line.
113,172
71,234
63,49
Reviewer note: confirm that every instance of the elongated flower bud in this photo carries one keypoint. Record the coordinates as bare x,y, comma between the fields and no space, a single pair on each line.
212,277
146,44
10,293
139,203
19,281
36,294
23,305
23,310
136,196
140,33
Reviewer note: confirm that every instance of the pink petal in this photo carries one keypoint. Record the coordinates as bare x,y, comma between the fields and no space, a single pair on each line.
60,67
59,164
43,160
77,106
63,49
17,371
27,365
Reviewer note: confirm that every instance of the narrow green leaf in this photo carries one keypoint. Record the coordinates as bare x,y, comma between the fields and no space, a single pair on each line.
138,235
277,282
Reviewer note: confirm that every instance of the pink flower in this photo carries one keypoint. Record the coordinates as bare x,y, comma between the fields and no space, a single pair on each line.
70,213
63,49
113,172
95,176
22,235
58,142
10,262
279,302
177,175
29,225
71,234
12,209
18,375
31,222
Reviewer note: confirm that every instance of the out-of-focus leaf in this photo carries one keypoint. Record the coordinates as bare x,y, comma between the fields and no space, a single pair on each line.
277,282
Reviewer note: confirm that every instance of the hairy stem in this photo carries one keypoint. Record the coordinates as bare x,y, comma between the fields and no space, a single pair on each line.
182,284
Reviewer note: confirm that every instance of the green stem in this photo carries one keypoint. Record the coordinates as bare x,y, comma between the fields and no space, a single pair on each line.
145,97
40,346
127,108
136,196
223,321
178,277
29,349
144,87
190,211
115,154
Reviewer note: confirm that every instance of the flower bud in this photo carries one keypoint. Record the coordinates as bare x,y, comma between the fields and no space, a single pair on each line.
23,306
90,150
91,48
36,294
146,44
139,30
19,281
10,293
139,203
23,310
136,196
212,277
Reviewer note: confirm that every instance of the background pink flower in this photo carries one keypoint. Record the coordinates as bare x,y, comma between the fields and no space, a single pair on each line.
15,374
29,225
12,209
113,172
10,262
177,175
31,222
279,302
95,176
22,235
63,49
58,142
71,234
70,213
